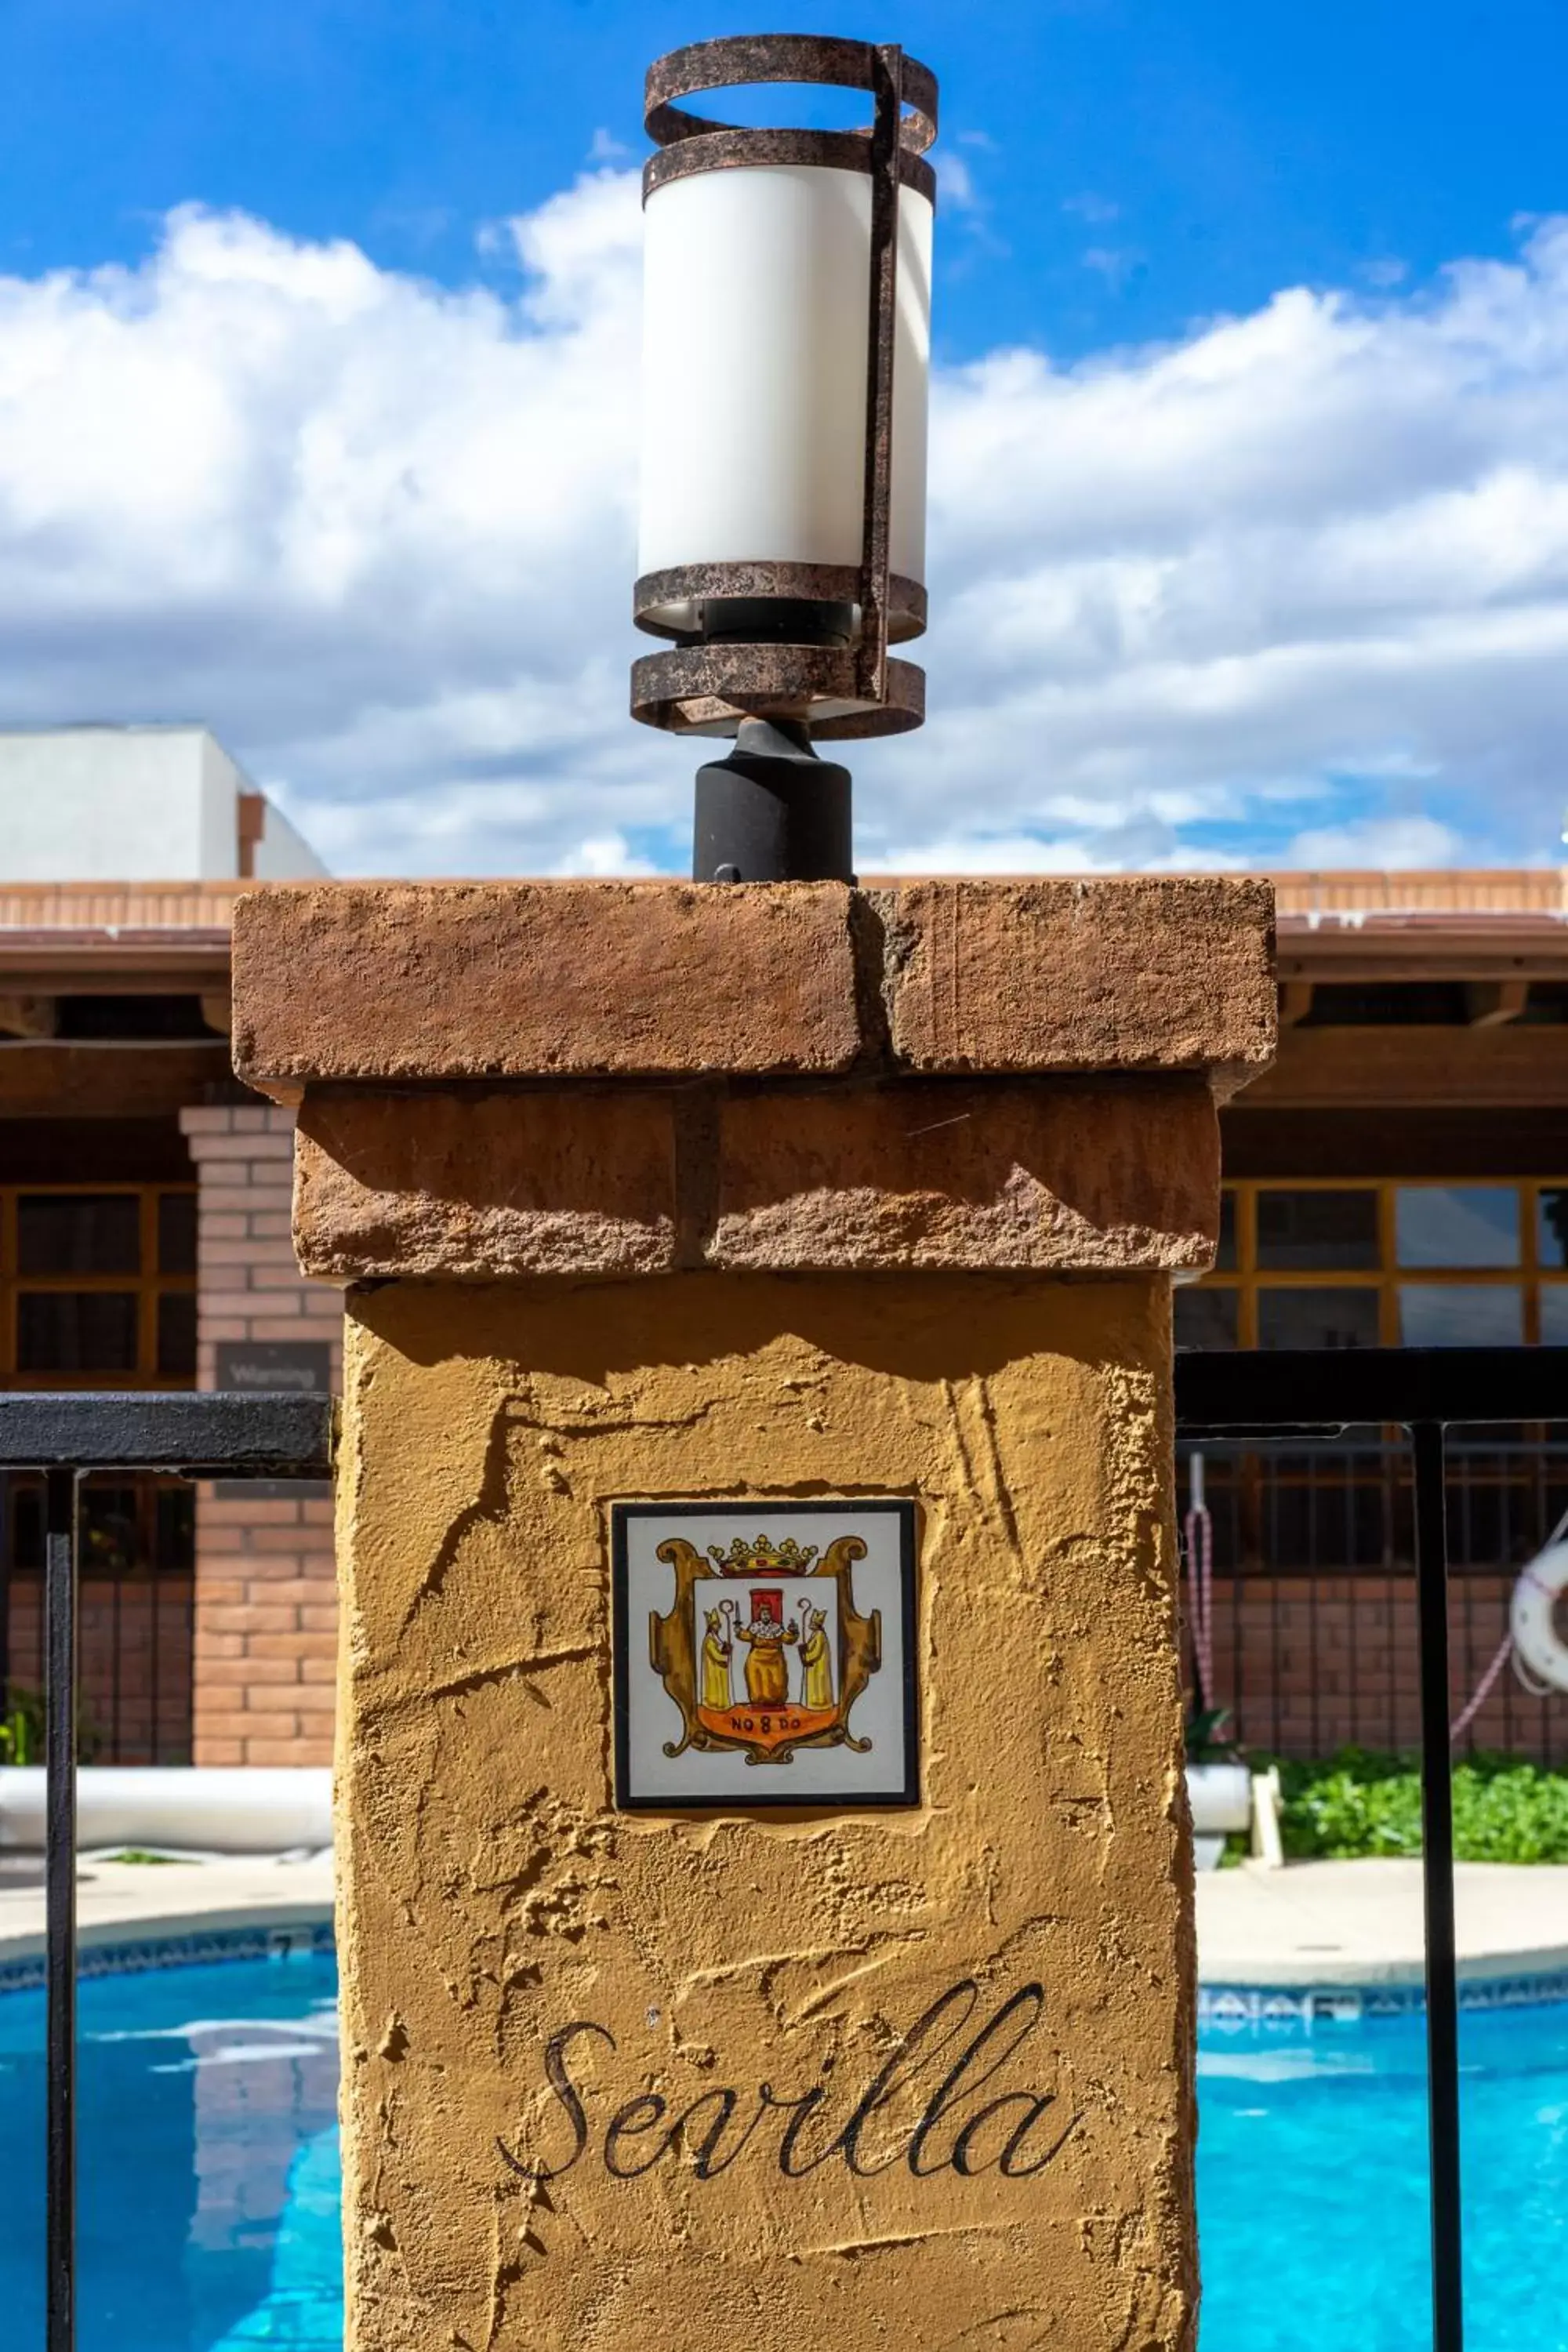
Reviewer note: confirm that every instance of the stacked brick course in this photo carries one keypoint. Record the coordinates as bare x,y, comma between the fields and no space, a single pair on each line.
1309,1664
134,1637
266,1600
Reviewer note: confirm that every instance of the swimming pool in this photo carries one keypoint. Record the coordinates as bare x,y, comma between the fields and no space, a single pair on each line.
209,2171
207,2152
1313,2183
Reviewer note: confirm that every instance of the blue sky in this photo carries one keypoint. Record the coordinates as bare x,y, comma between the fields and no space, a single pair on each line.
1285,283
1207,153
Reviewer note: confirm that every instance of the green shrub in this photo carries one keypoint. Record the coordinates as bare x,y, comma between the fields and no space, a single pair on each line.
1361,1802
22,1726
22,1720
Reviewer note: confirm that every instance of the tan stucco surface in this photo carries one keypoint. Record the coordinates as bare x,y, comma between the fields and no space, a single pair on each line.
492,1897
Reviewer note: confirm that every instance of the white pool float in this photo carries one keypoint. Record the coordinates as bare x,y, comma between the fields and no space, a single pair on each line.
1538,1647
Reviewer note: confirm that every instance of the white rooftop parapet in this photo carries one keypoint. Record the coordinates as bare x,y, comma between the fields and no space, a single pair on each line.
137,804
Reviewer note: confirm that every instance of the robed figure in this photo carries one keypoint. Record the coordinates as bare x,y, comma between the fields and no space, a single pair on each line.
766,1639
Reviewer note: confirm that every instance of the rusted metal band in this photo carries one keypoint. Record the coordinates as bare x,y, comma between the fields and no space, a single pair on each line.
727,151
813,583
776,57
709,688
881,335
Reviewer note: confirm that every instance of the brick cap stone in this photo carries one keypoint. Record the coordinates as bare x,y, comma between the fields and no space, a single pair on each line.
455,981
1136,972
473,1185
452,983
1007,1175
1024,1175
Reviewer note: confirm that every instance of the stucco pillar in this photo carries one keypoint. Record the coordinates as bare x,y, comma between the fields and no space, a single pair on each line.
767,1195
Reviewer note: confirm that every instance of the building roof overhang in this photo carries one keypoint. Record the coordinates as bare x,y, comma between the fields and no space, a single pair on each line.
71,938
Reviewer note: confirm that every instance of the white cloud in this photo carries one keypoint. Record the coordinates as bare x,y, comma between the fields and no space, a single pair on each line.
1092,207
958,184
1397,840
1295,586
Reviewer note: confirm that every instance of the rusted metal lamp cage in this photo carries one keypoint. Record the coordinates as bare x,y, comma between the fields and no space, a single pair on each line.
785,364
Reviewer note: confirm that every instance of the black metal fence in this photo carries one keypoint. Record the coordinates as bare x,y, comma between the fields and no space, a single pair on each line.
68,1443
1300,1588
1254,1400
1241,1403
135,1610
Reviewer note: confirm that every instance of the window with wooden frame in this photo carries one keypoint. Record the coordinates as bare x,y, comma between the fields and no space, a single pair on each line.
1324,1263
98,1285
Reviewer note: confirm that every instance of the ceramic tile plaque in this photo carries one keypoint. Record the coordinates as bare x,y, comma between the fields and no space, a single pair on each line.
764,1654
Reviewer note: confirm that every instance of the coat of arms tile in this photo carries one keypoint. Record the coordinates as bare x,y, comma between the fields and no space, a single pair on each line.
764,1654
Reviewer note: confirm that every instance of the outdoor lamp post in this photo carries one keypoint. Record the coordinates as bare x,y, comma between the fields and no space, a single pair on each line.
785,366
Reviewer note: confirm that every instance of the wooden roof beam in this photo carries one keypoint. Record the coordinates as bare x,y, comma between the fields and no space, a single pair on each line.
1491,1002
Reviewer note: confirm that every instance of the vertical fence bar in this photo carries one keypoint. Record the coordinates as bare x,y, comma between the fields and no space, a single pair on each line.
1271,1554
154,1682
59,1875
5,1566
1438,1885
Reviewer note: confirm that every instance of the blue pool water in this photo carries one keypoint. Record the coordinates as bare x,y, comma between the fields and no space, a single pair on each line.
208,2150
1312,2208
210,2182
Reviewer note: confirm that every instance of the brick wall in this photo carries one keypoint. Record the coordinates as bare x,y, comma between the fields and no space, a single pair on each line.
134,1638
266,1600
1310,1664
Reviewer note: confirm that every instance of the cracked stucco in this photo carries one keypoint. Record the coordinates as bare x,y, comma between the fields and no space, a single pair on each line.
490,1897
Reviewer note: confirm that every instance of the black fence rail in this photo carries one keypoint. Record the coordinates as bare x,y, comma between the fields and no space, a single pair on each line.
1300,1589
63,1441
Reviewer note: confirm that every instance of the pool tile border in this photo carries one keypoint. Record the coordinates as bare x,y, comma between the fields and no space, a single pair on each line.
274,1940
1218,2004
1234,2005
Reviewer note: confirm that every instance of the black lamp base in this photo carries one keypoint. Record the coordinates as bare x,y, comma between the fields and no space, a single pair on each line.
772,811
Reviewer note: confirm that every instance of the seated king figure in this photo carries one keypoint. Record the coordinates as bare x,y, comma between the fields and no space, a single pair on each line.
766,1638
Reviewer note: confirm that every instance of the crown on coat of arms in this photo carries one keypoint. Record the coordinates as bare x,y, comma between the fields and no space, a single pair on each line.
762,1558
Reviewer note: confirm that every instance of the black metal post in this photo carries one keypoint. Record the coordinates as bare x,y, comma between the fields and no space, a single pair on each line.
1437,1886
770,811
59,1873
6,1539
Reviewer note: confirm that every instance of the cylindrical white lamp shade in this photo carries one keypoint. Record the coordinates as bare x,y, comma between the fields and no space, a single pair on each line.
755,348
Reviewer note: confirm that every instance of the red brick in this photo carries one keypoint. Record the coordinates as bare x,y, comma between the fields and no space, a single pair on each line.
267,1224
269,1718
295,1538
258,1679
211,1643
251,1617
254,1145
294,1749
